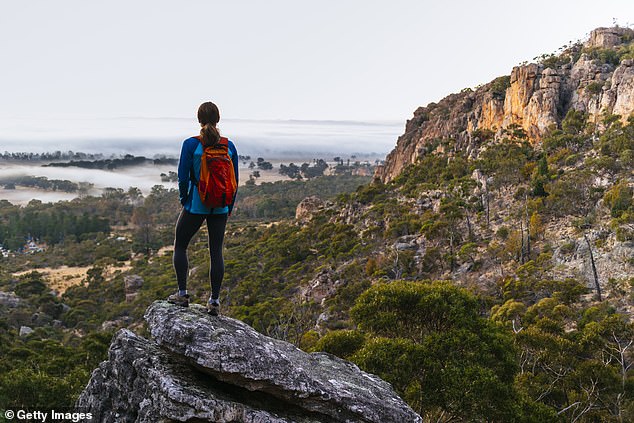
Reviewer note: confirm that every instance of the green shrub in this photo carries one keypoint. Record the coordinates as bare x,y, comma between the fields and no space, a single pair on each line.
342,343
619,198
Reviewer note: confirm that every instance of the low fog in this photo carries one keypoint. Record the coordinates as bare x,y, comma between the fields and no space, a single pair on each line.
154,136
142,177
275,141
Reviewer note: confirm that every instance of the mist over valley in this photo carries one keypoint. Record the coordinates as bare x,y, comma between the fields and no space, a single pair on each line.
278,142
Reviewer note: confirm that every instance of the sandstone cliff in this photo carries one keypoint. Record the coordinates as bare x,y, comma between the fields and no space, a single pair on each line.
200,368
589,77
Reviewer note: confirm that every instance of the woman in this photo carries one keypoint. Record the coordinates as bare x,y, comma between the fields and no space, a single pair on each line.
194,212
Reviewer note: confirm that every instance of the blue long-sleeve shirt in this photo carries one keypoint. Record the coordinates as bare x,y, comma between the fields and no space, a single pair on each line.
191,153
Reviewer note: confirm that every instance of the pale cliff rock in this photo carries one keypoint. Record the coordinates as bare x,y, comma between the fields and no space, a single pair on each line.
308,207
532,100
217,369
321,287
612,258
619,97
608,37
536,98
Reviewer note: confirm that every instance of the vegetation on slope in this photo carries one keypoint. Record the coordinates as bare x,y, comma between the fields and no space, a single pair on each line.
455,271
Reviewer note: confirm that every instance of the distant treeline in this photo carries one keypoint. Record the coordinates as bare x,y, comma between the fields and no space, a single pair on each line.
278,200
127,161
42,182
319,166
86,160
50,223
57,155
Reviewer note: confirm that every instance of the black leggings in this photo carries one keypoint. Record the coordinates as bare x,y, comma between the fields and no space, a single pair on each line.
186,227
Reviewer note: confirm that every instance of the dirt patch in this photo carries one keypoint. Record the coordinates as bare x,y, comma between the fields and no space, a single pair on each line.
165,251
62,278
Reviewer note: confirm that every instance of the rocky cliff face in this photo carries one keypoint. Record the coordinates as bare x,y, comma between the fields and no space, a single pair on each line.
200,368
534,98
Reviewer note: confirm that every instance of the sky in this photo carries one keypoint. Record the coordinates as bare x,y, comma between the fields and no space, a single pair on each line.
276,59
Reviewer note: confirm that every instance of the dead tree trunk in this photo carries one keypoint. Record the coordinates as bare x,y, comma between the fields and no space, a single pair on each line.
469,224
594,268
522,240
528,228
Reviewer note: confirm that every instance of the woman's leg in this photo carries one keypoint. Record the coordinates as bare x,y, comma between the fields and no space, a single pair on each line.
186,227
216,224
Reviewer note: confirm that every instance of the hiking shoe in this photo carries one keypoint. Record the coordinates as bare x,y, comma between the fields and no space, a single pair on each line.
213,309
180,300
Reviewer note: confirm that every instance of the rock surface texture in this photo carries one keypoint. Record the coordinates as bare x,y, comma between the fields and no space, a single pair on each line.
534,98
201,368
307,208
132,284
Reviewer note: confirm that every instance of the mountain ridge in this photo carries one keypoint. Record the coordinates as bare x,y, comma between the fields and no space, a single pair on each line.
594,77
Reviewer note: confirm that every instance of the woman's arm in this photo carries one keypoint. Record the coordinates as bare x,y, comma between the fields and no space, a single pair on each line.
185,164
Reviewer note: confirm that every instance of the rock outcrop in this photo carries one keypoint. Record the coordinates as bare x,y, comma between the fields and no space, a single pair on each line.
534,98
307,208
322,286
132,284
202,368
608,37
9,299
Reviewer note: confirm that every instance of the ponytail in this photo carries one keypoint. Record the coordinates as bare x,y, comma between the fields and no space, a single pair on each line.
208,116
209,135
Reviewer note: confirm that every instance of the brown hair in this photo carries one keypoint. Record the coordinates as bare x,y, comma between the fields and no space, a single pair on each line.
208,116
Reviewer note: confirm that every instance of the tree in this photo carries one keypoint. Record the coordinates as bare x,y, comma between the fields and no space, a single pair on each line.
144,232
134,194
619,198
429,340
575,121
292,171
264,165
572,194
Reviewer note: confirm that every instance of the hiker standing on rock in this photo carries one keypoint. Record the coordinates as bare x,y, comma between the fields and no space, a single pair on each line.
207,185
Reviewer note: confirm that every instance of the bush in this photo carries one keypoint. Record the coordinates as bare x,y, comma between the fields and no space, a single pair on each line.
619,198
499,86
604,55
342,343
429,341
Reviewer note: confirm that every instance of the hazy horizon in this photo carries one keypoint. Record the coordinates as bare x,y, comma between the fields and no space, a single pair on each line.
290,138
277,141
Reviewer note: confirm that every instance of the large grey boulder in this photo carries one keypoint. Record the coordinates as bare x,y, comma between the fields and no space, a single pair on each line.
142,383
233,352
199,368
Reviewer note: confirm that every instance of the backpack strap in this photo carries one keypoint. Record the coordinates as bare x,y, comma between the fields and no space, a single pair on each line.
222,141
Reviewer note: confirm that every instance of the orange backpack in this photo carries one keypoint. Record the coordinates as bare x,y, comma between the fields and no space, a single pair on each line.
217,182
